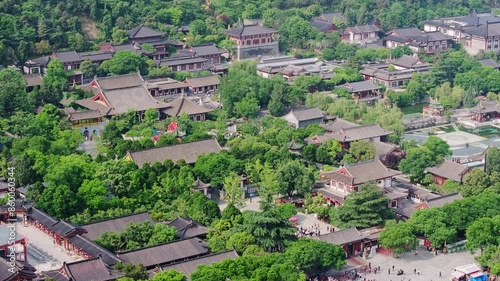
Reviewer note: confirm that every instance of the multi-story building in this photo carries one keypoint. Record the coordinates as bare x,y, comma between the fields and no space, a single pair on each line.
475,32
419,41
485,37
253,41
395,74
360,34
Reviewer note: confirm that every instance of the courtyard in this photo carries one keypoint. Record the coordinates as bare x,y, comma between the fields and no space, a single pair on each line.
43,254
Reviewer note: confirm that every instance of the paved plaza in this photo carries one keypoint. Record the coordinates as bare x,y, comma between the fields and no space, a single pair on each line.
425,262
43,254
460,138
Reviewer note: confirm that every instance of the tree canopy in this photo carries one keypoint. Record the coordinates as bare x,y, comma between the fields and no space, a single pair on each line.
367,207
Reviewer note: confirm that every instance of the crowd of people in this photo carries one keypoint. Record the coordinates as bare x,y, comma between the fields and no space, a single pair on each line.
308,232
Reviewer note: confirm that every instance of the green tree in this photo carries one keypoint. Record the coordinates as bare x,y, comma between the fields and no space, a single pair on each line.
328,151
151,116
119,36
294,177
59,201
314,255
362,151
493,160
268,186
475,182
170,275
416,161
398,236
43,47
268,227
123,62
367,207
399,51
54,82
233,193
247,107
94,193
13,95
483,232
240,241
295,32
133,271
88,68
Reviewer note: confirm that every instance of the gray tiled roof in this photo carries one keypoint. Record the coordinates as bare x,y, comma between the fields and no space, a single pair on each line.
166,253
33,79
63,228
68,56
180,61
363,28
142,31
83,115
443,200
94,250
248,30
307,114
188,267
363,172
486,106
406,32
342,237
432,36
207,49
96,56
196,82
489,62
383,148
186,151
187,228
321,25
360,133
486,30
23,269
406,61
183,105
120,81
92,269
338,124
355,87
42,217
94,230
332,17
449,170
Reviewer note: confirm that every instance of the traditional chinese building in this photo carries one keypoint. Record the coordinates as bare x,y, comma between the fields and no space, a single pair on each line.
145,35
210,52
348,178
360,34
253,41
448,170
85,270
22,271
364,91
485,111
301,118
118,94
203,85
372,133
188,228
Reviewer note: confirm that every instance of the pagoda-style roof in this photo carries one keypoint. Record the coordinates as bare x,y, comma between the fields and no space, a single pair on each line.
293,145
198,184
